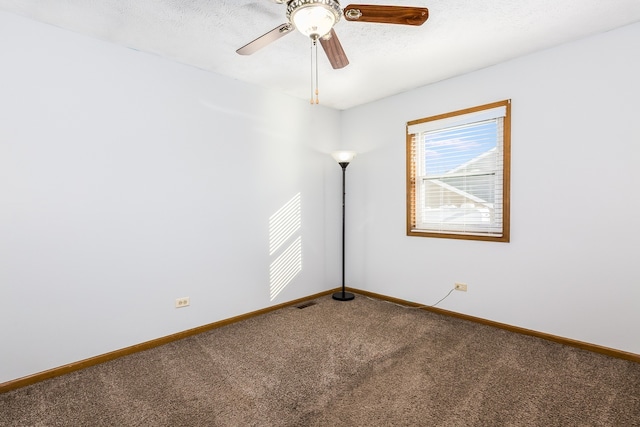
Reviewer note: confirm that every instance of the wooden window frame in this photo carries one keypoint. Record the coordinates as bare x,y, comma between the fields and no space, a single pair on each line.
411,171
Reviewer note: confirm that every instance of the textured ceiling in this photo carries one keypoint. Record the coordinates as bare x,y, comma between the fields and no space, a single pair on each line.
460,36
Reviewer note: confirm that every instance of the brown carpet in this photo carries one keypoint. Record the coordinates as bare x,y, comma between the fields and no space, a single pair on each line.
358,363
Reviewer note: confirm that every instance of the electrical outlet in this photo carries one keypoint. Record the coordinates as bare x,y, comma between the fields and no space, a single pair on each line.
182,302
460,287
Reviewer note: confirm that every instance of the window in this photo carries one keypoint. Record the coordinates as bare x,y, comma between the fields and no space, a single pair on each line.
458,168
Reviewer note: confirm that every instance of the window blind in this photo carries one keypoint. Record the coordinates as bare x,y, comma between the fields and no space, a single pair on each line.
459,179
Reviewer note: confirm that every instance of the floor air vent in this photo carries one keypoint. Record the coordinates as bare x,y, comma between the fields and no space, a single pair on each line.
306,304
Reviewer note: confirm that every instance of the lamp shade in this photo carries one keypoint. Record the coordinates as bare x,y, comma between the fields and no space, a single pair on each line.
343,156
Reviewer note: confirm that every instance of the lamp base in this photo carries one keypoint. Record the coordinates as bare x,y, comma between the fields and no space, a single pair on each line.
343,296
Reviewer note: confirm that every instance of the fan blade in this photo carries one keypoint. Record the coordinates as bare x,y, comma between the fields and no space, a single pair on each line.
262,41
334,51
386,14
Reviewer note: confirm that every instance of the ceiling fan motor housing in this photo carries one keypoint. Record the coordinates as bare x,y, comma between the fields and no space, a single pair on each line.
313,18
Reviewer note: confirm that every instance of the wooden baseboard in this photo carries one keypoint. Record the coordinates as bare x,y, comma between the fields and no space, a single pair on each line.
75,366
566,341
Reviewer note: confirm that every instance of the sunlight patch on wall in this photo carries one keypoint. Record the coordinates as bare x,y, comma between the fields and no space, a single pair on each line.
285,268
283,225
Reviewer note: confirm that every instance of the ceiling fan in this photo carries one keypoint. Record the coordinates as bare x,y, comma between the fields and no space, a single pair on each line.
316,19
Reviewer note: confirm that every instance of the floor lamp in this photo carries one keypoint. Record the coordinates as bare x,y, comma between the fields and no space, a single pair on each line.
343,158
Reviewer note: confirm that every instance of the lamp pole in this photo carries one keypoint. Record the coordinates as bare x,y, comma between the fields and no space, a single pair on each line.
343,159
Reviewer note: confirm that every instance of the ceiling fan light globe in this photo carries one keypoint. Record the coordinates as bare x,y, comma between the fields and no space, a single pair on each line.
313,21
313,18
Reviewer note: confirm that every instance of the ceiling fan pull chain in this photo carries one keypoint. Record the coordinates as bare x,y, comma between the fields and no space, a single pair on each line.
314,70
315,43
311,69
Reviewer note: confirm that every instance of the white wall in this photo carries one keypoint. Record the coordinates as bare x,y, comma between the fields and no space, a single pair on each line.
127,181
571,268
